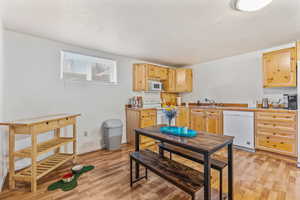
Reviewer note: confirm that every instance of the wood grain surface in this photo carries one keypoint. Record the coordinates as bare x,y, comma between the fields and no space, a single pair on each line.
258,176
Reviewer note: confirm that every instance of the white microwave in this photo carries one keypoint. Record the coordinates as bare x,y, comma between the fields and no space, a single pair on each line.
155,86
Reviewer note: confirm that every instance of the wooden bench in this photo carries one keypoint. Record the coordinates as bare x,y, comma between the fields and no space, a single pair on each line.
196,157
188,179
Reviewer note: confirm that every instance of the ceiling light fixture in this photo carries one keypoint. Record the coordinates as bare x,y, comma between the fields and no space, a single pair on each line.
251,5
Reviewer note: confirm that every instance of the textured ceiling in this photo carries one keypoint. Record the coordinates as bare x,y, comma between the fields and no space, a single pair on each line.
166,31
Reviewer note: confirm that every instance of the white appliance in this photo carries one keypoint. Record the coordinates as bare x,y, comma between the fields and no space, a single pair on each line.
240,124
155,86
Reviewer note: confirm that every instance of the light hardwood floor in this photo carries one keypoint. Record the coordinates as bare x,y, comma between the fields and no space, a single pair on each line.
258,176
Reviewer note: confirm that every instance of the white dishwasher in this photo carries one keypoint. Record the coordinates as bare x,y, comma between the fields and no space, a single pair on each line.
240,124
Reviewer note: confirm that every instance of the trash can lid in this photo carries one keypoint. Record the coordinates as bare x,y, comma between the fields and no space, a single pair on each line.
112,123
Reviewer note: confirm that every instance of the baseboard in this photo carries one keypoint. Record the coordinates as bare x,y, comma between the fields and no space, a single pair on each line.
2,182
244,148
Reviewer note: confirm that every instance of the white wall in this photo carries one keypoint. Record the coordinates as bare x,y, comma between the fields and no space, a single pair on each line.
33,88
3,168
236,79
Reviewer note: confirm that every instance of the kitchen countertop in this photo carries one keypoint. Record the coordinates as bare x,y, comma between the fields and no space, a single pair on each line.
250,109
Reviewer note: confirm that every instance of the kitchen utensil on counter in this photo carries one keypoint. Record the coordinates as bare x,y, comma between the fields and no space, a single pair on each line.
178,101
265,103
292,101
285,101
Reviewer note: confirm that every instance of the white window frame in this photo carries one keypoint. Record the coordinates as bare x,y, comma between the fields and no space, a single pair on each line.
92,59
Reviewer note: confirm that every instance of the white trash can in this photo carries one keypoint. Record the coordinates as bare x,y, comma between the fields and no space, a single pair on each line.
113,131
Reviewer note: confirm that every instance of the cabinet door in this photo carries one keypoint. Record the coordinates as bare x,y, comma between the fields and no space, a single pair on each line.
184,79
170,83
189,80
214,122
279,68
182,118
163,73
198,120
148,118
140,77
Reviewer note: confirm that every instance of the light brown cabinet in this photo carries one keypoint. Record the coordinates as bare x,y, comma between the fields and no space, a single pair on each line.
157,73
207,120
276,132
139,118
182,118
170,83
298,50
140,78
279,68
174,80
184,80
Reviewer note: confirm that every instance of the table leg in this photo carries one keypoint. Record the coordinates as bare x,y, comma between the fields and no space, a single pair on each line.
207,167
57,135
137,148
230,172
75,143
11,142
34,162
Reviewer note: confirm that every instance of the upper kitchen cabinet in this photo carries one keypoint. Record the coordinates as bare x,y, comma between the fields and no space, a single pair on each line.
157,73
298,50
279,68
174,80
140,78
179,80
170,83
184,80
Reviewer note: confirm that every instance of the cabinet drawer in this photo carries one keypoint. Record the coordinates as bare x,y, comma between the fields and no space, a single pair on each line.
149,121
66,121
290,127
276,117
148,113
276,133
283,146
45,126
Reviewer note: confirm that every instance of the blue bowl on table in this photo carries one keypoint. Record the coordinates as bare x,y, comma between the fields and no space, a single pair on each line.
178,131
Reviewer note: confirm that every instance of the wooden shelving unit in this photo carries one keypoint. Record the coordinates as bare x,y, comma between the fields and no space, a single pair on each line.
34,127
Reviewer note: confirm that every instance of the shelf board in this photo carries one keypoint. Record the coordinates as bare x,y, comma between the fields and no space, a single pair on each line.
44,147
44,166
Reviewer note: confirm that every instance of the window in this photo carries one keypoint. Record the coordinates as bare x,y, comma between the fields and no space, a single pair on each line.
76,66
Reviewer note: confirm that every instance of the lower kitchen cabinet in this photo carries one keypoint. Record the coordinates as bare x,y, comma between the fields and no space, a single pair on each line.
139,118
207,120
276,132
182,118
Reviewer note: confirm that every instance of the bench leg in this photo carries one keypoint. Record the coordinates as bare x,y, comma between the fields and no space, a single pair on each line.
146,173
170,156
221,184
130,171
161,152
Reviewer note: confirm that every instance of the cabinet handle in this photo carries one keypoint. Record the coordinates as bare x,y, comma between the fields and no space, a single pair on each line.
274,145
274,133
274,125
268,137
281,142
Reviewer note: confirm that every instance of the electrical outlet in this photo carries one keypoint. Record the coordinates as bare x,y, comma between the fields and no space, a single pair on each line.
85,133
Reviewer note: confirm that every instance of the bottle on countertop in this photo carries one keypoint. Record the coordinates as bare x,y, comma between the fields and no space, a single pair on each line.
265,103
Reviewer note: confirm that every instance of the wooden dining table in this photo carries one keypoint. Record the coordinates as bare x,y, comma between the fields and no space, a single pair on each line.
204,143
